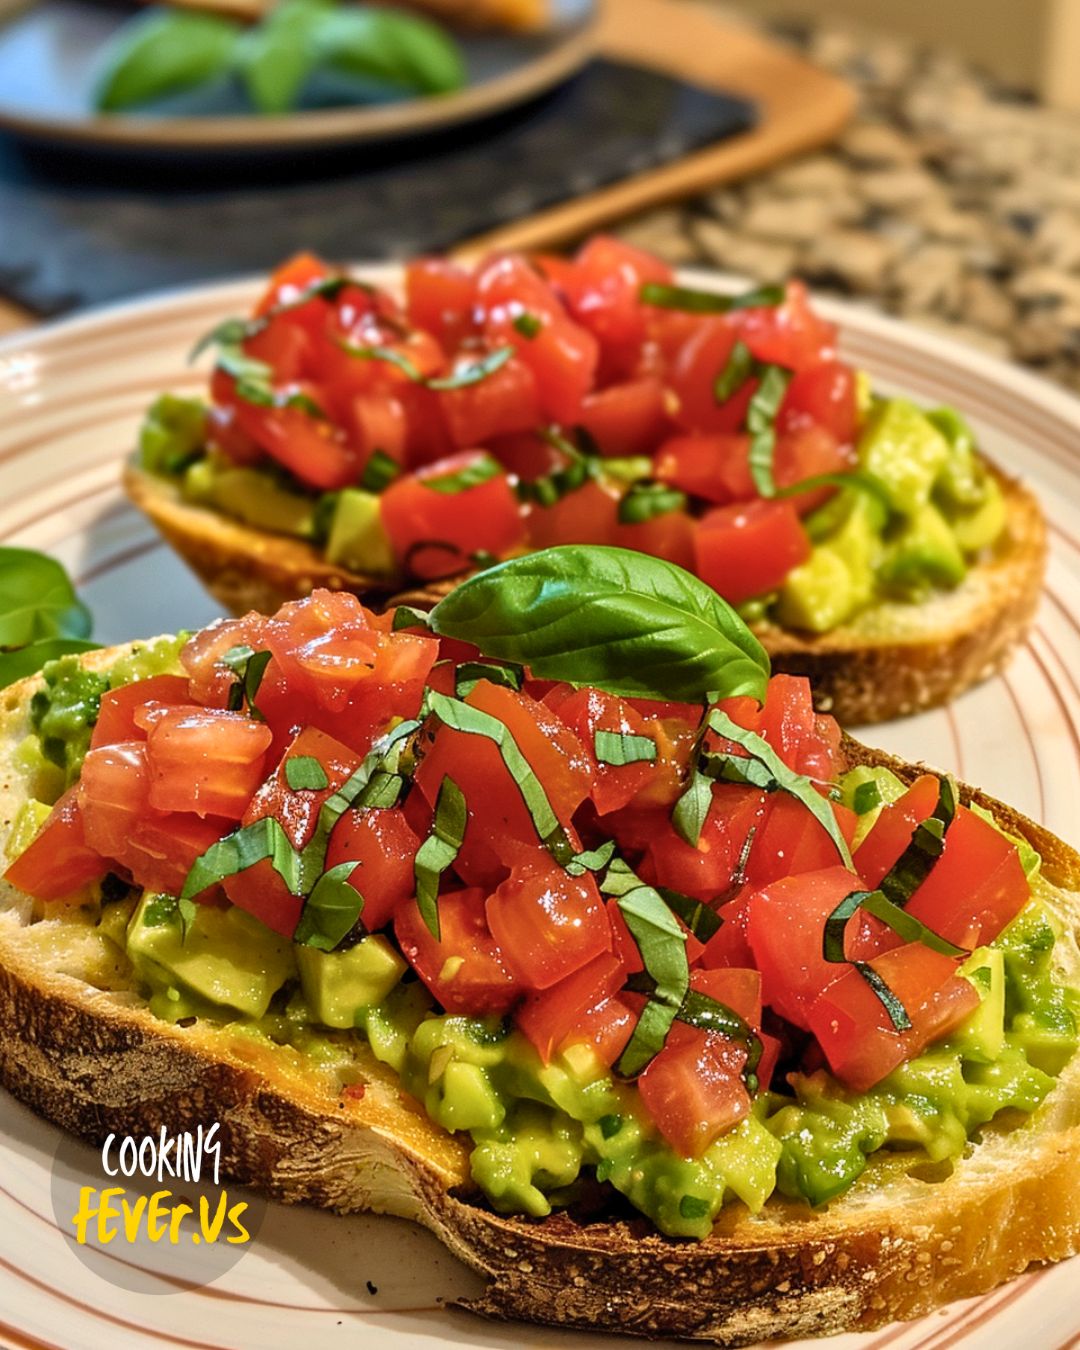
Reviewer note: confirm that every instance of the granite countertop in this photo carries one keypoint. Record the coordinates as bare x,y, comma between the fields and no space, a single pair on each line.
950,200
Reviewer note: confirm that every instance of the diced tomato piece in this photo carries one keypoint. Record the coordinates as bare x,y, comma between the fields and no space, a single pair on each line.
464,969
975,887
58,861
825,395
499,821
116,720
205,760
504,402
790,334
853,1026
669,536
786,929
210,680
606,1029
286,347
526,454
312,448
439,298
587,515
604,289
434,533
729,945
549,1017
714,467
707,871
694,1091
692,379
807,452
156,847
588,711
748,550
224,433
378,421
789,841
737,988
547,923
801,738
384,849
628,418
289,280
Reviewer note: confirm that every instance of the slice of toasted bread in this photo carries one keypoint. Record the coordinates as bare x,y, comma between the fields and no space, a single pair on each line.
891,660
79,1046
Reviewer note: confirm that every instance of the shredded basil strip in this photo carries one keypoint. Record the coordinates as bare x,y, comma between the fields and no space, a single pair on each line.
761,424
662,944
927,845
646,501
232,332
898,1014
439,850
692,808
701,919
738,368
262,839
692,301
621,747
591,860
763,768
249,667
469,674
254,384
907,926
465,375
528,325
305,773
379,472
331,911
472,721
855,479
479,471
551,488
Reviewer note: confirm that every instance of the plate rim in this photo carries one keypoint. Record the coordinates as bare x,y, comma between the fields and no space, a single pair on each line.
333,126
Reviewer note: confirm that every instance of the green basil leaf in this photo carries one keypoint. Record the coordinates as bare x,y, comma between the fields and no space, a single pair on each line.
737,370
854,479
28,660
662,944
474,371
763,768
276,56
37,600
620,878
439,850
927,845
692,808
693,1207
621,747
405,616
331,911
528,325
250,667
163,52
692,301
461,716
392,48
867,797
388,354
263,839
591,860
702,920
646,501
761,424
379,472
479,471
468,675
304,773
621,621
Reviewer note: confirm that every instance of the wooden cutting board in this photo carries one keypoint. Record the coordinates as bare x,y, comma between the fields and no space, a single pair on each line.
800,107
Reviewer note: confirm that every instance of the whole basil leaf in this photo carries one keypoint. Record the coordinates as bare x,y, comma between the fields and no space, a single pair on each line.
275,57
622,621
37,600
164,52
392,48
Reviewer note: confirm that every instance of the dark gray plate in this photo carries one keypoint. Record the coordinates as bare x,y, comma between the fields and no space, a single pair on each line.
50,53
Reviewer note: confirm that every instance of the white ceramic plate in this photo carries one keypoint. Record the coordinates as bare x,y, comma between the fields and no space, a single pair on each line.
70,399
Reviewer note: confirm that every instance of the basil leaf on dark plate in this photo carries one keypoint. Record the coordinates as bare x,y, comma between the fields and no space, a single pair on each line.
622,621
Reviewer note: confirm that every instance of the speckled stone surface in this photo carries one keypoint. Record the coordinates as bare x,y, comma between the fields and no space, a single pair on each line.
950,200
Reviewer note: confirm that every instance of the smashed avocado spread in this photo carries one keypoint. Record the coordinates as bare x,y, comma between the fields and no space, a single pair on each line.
623,944
597,403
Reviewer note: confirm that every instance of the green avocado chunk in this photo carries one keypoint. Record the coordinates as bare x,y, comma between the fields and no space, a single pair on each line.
338,984
838,578
903,449
224,958
252,496
924,554
357,537
173,434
